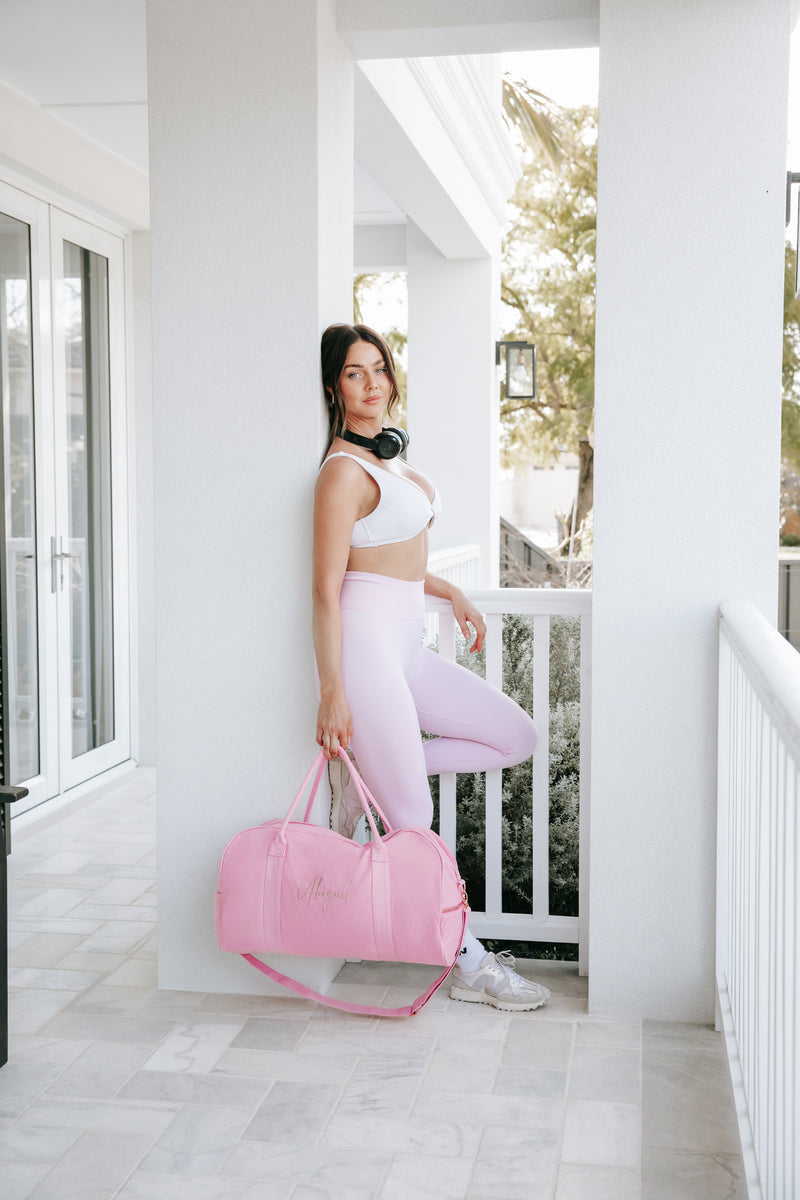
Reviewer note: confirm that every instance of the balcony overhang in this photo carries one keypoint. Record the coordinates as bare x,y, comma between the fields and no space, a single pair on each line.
417,28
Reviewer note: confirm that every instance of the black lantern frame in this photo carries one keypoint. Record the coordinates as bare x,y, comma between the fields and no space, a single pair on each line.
520,370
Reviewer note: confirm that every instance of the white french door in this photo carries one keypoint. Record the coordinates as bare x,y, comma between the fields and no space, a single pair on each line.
65,655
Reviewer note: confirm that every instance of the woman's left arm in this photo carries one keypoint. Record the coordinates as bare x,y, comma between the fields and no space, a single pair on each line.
464,610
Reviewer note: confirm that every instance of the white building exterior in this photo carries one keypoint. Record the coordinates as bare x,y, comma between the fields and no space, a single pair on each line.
257,114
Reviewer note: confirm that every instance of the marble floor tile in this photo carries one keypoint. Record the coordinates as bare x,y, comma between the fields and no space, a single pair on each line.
511,1112
117,912
30,1010
326,1168
61,1052
291,1007
687,1101
51,977
271,1064
175,1087
600,1133
515,1164
606,1072
458,1064
195,1047
21,1084
378,1088
269,1034
104,1028
530,1081
101,1070
691,1175
543,1046
599,1031
419,1176
43,949
152,1185
413,1135
93,1168
98,1117
134,972
390,1045
67,862
19,1179
121,891
198,1141
114,937
52,902
340,1192
293,1112
18,1145
600,1183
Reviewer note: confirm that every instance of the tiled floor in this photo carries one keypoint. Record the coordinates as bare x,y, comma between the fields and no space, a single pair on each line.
117,1089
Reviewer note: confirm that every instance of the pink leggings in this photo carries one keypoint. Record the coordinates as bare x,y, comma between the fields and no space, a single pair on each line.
394,687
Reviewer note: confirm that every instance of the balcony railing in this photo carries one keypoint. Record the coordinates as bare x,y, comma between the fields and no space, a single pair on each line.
540,606
758,897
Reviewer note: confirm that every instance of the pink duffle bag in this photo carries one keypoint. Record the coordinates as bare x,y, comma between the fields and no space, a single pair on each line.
291,887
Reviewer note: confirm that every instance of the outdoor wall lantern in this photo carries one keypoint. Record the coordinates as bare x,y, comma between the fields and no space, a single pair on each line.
794,177
520,369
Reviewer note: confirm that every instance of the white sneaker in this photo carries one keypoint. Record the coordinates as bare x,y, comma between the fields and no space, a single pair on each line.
346,807
497,983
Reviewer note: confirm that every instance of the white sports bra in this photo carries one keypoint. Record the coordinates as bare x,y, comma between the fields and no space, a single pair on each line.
402,512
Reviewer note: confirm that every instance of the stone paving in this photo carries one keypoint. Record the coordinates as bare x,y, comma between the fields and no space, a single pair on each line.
116,1089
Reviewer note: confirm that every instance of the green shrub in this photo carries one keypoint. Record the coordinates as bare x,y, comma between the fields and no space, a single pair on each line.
563,772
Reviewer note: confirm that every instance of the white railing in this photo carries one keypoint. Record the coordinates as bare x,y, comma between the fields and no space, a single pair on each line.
457,564
758,898
540,605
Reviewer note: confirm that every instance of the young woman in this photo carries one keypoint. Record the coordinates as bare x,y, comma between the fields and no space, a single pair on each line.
379,686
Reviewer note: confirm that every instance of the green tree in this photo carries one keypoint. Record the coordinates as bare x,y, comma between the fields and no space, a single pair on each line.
548,287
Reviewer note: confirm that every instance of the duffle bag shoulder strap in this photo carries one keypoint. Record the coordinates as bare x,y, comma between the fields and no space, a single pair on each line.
408,1010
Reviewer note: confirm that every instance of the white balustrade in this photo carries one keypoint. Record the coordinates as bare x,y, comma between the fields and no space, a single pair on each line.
758,898
539,925
457,564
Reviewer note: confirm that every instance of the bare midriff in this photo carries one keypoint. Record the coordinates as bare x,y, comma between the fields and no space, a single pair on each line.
400,560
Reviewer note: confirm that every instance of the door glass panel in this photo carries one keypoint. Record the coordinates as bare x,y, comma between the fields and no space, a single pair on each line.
20,658
86,569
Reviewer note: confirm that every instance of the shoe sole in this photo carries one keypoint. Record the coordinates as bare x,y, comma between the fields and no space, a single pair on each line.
470,997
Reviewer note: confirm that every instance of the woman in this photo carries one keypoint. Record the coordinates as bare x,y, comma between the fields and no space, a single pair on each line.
378,684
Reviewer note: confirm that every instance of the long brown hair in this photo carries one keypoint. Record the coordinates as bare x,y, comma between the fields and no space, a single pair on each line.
336,343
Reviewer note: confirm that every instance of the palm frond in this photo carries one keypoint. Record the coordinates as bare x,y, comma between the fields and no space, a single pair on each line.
535,116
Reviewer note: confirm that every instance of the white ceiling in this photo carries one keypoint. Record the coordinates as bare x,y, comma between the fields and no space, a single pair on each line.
84,62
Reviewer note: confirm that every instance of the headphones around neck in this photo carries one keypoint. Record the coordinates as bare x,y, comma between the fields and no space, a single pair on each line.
388,444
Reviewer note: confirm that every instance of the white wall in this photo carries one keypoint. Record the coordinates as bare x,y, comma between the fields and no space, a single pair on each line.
251,169
453,395
689,301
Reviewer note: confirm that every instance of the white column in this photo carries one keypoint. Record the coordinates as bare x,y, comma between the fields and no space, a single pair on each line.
251,170
453,401
689,297
140,433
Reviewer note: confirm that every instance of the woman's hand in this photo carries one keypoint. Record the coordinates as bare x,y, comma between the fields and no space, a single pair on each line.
334,725
466,614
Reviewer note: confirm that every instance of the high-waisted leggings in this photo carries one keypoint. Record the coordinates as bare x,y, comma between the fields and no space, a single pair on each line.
395,686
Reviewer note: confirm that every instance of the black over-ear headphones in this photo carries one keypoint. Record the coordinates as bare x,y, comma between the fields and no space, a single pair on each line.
388,444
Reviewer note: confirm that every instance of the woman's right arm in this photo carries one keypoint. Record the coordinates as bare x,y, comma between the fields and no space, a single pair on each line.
338,501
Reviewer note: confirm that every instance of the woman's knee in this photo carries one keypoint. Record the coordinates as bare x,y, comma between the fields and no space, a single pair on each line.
523,737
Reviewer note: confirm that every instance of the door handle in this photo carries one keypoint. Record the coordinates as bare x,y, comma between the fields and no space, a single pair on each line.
57,564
